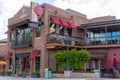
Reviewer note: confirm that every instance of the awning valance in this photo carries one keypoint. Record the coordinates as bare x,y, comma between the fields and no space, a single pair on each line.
64,23
98,55
34,54
7,56
55,20
8,31
72,25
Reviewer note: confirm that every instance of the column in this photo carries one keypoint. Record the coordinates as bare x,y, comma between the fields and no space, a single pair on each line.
99,63
93,64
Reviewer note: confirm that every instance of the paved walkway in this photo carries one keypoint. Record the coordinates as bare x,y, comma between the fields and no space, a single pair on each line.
21,78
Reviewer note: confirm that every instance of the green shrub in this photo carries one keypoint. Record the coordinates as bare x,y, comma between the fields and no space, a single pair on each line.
36,73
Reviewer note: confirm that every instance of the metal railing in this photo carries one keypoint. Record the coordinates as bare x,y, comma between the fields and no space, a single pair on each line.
64,39
21,43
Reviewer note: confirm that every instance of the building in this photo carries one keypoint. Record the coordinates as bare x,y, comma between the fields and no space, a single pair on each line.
33,44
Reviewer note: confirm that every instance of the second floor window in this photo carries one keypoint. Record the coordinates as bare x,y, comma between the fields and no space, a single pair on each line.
61,30
69,30
23,35
52,28
11,37
38,31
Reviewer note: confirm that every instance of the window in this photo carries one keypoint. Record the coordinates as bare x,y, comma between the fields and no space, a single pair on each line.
38,31
61,30
11,37
52,28
37,62
23,35
10,63
69,31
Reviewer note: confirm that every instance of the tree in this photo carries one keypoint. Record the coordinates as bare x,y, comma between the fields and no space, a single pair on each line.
77,59
83,57
60,58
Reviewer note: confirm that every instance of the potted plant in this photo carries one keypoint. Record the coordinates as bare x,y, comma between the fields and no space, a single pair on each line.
35,75
1,73
7,73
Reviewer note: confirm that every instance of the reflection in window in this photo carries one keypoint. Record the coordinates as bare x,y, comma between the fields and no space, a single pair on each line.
23,35
52,28
100,37
38,30
61,30
11,37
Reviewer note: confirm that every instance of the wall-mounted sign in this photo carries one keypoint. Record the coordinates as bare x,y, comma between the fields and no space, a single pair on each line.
34,25
38,10
35,11
33,15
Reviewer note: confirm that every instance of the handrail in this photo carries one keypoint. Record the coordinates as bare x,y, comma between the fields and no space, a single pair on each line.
64,39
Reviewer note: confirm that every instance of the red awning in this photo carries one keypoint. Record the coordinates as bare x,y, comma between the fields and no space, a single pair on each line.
72,25
34,54
7,56
64,23
55,20
8,31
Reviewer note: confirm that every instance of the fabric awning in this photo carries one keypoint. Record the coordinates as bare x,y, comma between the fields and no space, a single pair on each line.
72,25
64,23
8,31
98,55
7,56
34,54
55,20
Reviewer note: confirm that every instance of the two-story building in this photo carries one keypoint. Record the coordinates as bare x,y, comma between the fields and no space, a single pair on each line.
33,44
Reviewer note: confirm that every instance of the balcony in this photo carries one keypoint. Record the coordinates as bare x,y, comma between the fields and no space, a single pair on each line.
58,41
113,41
21,43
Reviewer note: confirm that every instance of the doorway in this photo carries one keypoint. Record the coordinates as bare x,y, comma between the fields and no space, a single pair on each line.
22,64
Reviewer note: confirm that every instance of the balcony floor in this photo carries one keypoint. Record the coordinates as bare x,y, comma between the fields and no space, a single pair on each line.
60,46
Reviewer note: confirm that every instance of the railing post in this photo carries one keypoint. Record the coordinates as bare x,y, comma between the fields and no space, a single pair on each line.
105,35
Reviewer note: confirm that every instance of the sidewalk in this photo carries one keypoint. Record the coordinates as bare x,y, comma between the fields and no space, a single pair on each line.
21,78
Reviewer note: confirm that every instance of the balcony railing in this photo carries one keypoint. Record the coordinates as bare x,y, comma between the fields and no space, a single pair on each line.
64,39
102,40
21,43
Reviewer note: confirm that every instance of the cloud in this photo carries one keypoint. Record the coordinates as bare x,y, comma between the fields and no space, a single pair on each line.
7,10
92,8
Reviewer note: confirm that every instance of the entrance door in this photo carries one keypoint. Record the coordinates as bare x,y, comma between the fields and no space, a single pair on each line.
22,65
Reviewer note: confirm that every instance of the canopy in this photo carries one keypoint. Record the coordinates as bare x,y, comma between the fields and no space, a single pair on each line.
2,63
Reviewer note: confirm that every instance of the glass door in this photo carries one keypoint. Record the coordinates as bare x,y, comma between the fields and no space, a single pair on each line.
18,67
22,65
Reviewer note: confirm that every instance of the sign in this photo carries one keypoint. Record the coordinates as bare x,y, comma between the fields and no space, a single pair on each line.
33,15
38,10
33,25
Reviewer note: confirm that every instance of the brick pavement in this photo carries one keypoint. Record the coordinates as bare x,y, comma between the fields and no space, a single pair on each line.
21,78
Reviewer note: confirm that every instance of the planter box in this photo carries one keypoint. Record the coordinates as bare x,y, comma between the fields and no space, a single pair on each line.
67,73
76,75
7,74
35,76
1,74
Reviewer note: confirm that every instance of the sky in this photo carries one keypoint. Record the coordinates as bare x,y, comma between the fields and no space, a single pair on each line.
91,8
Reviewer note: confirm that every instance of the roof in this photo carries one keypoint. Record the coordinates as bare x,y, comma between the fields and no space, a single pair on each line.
101,24
3,40
77,13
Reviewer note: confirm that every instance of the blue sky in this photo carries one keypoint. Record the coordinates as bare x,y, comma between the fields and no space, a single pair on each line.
92,8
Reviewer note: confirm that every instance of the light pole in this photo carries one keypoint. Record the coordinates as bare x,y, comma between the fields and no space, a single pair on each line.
67,40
